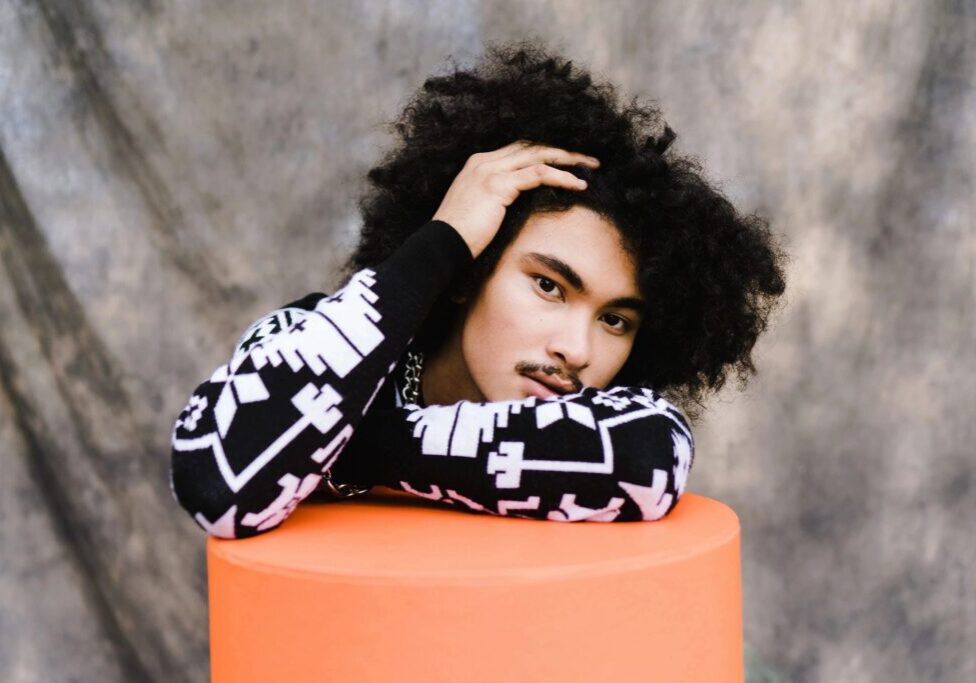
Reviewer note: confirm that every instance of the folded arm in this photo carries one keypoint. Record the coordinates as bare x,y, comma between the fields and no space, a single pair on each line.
621,454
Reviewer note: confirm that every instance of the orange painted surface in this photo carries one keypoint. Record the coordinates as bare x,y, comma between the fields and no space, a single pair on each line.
390,587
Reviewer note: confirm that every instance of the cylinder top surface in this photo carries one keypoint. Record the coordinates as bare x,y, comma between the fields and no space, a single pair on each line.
393,535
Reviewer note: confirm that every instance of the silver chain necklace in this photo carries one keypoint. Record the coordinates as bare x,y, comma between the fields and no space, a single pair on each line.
410,394
411,376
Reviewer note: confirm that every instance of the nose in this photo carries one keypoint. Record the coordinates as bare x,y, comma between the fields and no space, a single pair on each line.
569,344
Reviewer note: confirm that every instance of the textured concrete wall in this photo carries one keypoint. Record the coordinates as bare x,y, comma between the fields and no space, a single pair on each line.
170,171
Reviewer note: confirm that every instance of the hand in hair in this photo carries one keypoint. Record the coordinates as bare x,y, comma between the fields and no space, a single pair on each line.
490,182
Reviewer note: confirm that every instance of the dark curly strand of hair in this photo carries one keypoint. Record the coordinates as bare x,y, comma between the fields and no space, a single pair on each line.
710,275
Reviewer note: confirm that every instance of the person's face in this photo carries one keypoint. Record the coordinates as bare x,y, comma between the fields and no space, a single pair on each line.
563,306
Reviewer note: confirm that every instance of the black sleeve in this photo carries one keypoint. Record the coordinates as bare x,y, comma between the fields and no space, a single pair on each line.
621,454
255,437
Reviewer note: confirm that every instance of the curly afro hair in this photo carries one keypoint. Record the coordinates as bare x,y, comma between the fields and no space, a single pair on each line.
710,276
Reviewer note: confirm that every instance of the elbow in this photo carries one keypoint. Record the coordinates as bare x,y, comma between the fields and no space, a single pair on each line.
198,487
225,501
657,483
651,457
194,479
683,454
203,499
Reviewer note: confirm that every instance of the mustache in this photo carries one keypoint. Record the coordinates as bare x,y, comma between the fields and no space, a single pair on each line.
525,368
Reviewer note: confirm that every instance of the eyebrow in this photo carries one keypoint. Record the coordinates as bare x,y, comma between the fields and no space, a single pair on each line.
574,279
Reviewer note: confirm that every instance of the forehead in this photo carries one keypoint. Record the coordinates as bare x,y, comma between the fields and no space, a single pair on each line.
590,244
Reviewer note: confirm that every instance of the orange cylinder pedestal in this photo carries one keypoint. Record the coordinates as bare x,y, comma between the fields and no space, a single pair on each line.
389,587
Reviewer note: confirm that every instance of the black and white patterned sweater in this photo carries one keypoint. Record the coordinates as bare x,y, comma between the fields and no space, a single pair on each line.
312,387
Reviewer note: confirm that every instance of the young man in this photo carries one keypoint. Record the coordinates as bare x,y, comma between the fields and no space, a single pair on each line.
516,313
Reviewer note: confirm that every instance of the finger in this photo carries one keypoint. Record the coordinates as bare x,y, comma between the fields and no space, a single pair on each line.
496,154
526,155
521,153
533,176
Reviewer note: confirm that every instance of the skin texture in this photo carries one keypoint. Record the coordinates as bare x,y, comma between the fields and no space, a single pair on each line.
528,317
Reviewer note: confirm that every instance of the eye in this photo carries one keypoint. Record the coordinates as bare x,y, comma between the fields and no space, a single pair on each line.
616,323
547,286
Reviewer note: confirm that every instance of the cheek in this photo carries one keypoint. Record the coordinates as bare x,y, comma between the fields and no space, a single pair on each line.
498,330
609,359
503,313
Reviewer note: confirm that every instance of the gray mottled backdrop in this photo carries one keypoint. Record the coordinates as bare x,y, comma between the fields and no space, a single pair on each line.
171,170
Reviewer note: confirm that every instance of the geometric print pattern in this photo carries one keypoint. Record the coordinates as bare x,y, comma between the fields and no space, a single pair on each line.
293,349
303,394
326,342
627,447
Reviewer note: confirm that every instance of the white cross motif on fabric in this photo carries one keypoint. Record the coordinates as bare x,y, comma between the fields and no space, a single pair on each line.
611,399
195,409
318,408
457,430
551,411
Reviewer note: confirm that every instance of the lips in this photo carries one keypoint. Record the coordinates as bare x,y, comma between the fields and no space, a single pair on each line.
552,382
